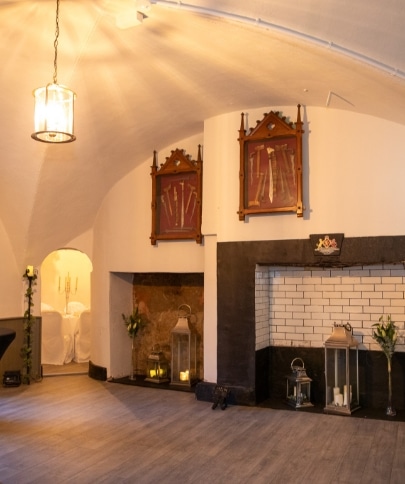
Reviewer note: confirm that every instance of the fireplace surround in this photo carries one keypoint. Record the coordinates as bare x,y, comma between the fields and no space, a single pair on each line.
255,375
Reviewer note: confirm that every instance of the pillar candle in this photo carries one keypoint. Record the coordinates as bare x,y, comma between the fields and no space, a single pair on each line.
339,399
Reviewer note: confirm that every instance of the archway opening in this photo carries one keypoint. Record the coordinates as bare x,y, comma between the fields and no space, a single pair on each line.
65,312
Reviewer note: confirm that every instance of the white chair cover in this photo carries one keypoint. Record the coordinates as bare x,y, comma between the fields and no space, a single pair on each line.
46,307
56,348
76,308
83,338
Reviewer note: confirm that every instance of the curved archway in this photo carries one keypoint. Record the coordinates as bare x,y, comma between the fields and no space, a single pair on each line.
65,294
55,269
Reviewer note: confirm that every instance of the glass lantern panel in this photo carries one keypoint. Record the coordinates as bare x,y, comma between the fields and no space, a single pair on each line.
181,358
353,378
303,392
335,374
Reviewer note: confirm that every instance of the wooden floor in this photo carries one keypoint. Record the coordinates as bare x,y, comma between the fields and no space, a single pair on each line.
71,368
72,429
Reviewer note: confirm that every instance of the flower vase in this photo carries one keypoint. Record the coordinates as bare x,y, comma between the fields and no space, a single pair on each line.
390,411
132,375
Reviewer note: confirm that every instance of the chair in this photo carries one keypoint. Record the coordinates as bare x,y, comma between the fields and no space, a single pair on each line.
83,338
56,347
76,308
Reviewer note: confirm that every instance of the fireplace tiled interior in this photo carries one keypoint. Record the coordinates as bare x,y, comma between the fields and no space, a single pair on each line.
298,306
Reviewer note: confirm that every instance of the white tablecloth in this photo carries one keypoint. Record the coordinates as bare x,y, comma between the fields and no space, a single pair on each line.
70,325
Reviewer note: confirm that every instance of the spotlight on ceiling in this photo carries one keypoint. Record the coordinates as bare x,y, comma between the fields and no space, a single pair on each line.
54,106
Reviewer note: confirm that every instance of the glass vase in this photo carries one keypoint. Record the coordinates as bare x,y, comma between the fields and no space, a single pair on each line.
390,411
132,375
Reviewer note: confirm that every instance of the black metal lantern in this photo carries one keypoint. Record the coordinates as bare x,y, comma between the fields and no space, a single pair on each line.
157,367
184,350
298,386
342,371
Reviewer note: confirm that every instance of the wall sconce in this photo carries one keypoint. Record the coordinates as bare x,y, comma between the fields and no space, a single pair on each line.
54,106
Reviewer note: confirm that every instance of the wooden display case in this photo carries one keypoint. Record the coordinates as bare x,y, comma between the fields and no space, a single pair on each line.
177,197
271,166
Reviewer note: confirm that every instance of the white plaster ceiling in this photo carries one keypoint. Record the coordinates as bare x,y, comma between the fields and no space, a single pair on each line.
142,88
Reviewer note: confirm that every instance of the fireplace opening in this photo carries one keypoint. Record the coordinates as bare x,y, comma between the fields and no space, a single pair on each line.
160,297
296,309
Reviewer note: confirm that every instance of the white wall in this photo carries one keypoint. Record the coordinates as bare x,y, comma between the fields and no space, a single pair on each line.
12,287
122,245
353,171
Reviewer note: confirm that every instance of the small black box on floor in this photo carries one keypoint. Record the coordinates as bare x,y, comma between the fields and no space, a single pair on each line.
11,379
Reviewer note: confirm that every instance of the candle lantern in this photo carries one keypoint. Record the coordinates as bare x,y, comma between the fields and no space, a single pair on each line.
298,386
157,367
184,350
342,371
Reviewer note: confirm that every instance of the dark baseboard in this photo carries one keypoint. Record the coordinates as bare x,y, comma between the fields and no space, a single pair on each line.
97,372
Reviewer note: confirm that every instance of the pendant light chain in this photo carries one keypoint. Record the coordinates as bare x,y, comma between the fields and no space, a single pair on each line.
54,105
55,44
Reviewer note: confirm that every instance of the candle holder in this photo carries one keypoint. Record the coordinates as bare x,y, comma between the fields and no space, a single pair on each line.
184,350
342,371
67,290
157,367
298,386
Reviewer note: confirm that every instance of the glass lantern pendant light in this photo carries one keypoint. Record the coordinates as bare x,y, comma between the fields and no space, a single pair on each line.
54,106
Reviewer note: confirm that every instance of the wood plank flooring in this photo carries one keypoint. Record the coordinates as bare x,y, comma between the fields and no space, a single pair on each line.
72,429
71,368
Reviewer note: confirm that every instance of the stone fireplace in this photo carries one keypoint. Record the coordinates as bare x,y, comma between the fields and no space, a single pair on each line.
159,295
254,355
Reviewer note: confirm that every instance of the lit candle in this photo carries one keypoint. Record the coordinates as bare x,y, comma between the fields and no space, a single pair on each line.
30,271
183,376
152,373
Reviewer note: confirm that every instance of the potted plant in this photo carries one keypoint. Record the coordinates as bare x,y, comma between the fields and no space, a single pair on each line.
385,334
133,322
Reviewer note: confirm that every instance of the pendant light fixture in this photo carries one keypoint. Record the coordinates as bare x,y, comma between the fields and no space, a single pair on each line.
54,106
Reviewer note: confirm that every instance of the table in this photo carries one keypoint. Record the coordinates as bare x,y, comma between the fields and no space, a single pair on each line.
6,338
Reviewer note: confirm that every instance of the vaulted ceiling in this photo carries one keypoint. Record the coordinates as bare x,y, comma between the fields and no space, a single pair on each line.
143,87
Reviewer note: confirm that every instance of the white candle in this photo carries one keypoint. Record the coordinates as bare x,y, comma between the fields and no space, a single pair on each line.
345,394
336,390
339,399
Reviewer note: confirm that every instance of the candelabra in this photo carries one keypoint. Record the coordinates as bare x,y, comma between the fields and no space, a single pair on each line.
67,290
